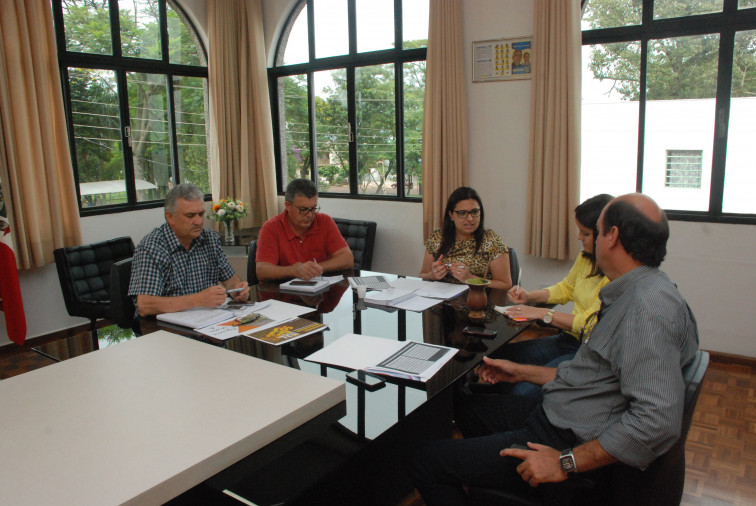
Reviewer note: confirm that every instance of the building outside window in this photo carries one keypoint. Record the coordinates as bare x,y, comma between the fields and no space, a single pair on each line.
661,73
347,87
135,89
683,169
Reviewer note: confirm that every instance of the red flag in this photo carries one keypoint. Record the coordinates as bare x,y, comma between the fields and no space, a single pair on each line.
10,292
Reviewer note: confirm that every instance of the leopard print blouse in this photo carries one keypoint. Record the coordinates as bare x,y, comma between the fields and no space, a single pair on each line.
463,251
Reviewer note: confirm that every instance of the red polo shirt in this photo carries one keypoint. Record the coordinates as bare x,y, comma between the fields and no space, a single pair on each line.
279,245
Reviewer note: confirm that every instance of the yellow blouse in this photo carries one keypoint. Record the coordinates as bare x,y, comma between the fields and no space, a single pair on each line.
463,252
582,290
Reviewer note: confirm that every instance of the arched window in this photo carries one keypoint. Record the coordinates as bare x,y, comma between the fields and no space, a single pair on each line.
669,101
347,89
135,88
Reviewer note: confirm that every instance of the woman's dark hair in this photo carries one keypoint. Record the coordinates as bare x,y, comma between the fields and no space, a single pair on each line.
587,214
449,231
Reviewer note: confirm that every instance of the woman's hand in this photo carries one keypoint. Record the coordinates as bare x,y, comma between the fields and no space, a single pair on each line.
460,272
438,268
518,295
525,312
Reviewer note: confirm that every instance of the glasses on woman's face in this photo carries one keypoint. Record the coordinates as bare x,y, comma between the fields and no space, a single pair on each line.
463,213
305,210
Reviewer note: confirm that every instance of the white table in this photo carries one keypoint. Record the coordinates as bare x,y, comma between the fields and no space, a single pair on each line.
144,420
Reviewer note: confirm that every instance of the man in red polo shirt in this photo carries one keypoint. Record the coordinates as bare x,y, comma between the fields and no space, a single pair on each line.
300,242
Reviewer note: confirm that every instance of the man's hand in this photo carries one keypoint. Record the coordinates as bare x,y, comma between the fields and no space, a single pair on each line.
243,295
307,270
214,296
494,371
539,465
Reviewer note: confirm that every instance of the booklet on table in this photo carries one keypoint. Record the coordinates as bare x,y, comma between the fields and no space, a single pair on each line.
403,359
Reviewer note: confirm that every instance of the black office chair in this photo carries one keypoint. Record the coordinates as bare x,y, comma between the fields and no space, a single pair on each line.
123,311
660,484
84,273
360,236
514,266
251,263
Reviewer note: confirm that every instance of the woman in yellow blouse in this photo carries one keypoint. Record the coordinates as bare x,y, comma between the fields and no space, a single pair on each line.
581,286
463,248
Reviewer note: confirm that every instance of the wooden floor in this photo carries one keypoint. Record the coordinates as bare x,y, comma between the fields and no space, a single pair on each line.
721,446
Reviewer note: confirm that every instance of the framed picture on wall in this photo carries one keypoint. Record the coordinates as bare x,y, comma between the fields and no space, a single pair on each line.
502,59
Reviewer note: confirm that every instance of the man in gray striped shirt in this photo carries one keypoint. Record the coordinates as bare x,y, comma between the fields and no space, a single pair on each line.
619,400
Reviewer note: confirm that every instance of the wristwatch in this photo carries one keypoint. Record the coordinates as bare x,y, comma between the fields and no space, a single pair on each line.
548,317
567,461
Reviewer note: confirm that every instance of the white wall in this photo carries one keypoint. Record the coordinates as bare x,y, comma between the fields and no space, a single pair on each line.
713,264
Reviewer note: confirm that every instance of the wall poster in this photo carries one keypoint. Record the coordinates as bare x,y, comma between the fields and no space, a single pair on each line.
502,59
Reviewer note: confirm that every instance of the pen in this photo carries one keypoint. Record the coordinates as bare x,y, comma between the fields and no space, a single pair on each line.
319,278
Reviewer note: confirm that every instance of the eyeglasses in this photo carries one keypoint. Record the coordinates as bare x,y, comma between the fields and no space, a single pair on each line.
305,210
464,212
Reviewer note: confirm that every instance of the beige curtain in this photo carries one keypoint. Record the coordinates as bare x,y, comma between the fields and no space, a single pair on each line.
445,117
553,188
38,182
242,164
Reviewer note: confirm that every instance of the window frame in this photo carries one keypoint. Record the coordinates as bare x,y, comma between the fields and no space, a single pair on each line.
351,61
121,66
726,23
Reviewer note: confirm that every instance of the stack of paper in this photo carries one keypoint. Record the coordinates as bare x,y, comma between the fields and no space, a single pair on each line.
432,289
371,282
388,297
314,285
403,359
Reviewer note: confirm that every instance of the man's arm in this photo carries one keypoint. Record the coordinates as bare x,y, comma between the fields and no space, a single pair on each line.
148,305
267,271
340,260
498,370
540,464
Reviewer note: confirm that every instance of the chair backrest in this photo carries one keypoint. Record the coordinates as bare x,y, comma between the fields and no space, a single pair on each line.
360,236
84,273
123,311
514,266
251,263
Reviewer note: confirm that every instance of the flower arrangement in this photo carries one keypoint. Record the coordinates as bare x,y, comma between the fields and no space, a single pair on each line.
228,209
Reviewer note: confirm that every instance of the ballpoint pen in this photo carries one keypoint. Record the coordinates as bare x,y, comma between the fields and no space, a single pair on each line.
319,278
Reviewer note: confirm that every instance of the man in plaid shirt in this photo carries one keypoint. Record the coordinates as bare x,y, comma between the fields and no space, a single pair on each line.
180,264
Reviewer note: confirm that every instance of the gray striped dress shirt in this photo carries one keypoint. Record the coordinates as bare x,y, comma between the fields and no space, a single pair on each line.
625,387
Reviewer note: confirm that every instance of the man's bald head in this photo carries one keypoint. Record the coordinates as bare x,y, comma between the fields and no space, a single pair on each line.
642,226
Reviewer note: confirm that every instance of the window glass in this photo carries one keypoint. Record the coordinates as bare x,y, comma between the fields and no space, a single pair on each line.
375,25
744,4
611,76
190,97
677,8
683,168
740,178
611,14
414,99
150,141
181,41
332,130
331,28
680,114
376,128
140,28
97,136
415,23
295,128
295,40
87,27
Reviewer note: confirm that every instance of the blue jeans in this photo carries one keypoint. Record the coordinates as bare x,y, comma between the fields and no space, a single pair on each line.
440,468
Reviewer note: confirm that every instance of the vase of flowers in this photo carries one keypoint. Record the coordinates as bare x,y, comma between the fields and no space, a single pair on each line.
228,211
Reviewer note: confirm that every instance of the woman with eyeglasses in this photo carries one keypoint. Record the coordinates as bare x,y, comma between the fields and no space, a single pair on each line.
463,248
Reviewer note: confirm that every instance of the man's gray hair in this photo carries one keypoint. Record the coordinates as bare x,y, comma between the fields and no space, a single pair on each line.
303,187
186,191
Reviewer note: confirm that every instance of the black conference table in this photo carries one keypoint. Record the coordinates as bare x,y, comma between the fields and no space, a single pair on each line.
359,460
